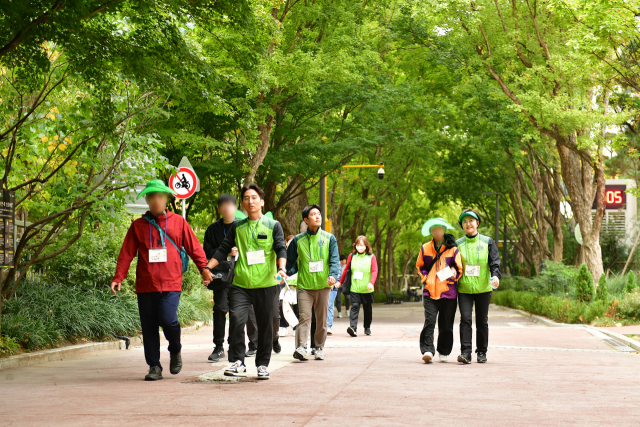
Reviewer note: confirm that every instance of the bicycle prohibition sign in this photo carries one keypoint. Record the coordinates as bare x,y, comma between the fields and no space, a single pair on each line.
184,183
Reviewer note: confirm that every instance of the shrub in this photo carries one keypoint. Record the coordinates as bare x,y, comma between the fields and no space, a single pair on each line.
631,282
601,290
584,285
8,346
43,315
629,305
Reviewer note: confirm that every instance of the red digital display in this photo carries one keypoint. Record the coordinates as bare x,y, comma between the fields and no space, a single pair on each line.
615,197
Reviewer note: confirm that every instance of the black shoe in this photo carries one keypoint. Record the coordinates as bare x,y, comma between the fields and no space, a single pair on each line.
352,331
367,331
175,364
481,357
250,353
217,354
277,348
465,358
155,374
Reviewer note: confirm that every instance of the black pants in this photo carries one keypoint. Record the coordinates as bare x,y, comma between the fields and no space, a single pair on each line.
276,319
159,309
347,301
445,310
220,310
240,301
338,302
252,330
466,302
355,312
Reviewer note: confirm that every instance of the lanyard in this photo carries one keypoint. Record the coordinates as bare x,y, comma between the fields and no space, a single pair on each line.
252,233
224,230
161,236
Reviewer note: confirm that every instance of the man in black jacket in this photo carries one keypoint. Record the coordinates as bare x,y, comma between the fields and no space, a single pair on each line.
213,237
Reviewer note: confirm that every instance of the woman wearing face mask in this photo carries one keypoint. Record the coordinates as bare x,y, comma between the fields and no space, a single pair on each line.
362,269
481,274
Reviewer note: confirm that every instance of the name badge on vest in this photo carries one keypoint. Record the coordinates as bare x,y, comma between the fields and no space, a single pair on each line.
472,270
358,275
255,257
444,274
158,255
316,266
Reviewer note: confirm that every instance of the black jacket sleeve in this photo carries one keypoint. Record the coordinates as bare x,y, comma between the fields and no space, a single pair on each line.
292,257
279,245
210,244
227,244
494,259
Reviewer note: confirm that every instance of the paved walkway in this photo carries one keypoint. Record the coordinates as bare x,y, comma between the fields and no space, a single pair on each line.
536,376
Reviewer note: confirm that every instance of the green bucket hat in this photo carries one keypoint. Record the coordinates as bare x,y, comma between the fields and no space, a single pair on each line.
468,213
156,186
426,228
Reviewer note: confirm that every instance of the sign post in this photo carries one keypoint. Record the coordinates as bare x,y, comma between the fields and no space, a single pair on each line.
7,228
185,183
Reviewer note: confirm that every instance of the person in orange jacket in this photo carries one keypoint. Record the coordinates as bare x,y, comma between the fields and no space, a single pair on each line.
440,266
155,238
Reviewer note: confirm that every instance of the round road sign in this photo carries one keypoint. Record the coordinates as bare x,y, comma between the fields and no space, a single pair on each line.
184,183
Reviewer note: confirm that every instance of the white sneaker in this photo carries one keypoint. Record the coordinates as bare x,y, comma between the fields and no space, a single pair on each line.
339,315
442,358
427,357
319,355
263,373
282,332
300,353
329,331
237,369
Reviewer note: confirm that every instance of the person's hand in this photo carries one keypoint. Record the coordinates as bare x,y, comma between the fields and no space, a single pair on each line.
454,271
283,275
331,281
370,287
207,277
338,284
495,282
114,285
234,251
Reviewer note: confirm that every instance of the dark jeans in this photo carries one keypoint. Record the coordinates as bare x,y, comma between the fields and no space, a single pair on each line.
159,309
445,310
338,303
347,301
355,312
240,302
220,310
466,302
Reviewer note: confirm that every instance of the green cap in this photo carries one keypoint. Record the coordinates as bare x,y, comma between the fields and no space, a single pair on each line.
156,186
468,213
426,228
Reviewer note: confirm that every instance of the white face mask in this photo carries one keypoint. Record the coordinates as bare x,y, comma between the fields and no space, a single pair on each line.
360,248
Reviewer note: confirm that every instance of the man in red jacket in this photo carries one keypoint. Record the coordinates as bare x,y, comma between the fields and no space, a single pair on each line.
159,273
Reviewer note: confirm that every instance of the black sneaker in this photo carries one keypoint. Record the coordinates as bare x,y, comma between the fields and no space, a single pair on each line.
250,353
367,331
155,374
352,331
481,357
465,358
217,354
277,348
175,364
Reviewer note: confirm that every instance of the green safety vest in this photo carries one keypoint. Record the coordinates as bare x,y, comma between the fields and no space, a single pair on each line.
313,247
475,251
361,262
257,275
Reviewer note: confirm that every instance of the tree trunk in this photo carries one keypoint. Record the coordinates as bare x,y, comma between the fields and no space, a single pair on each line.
264,130
584,182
